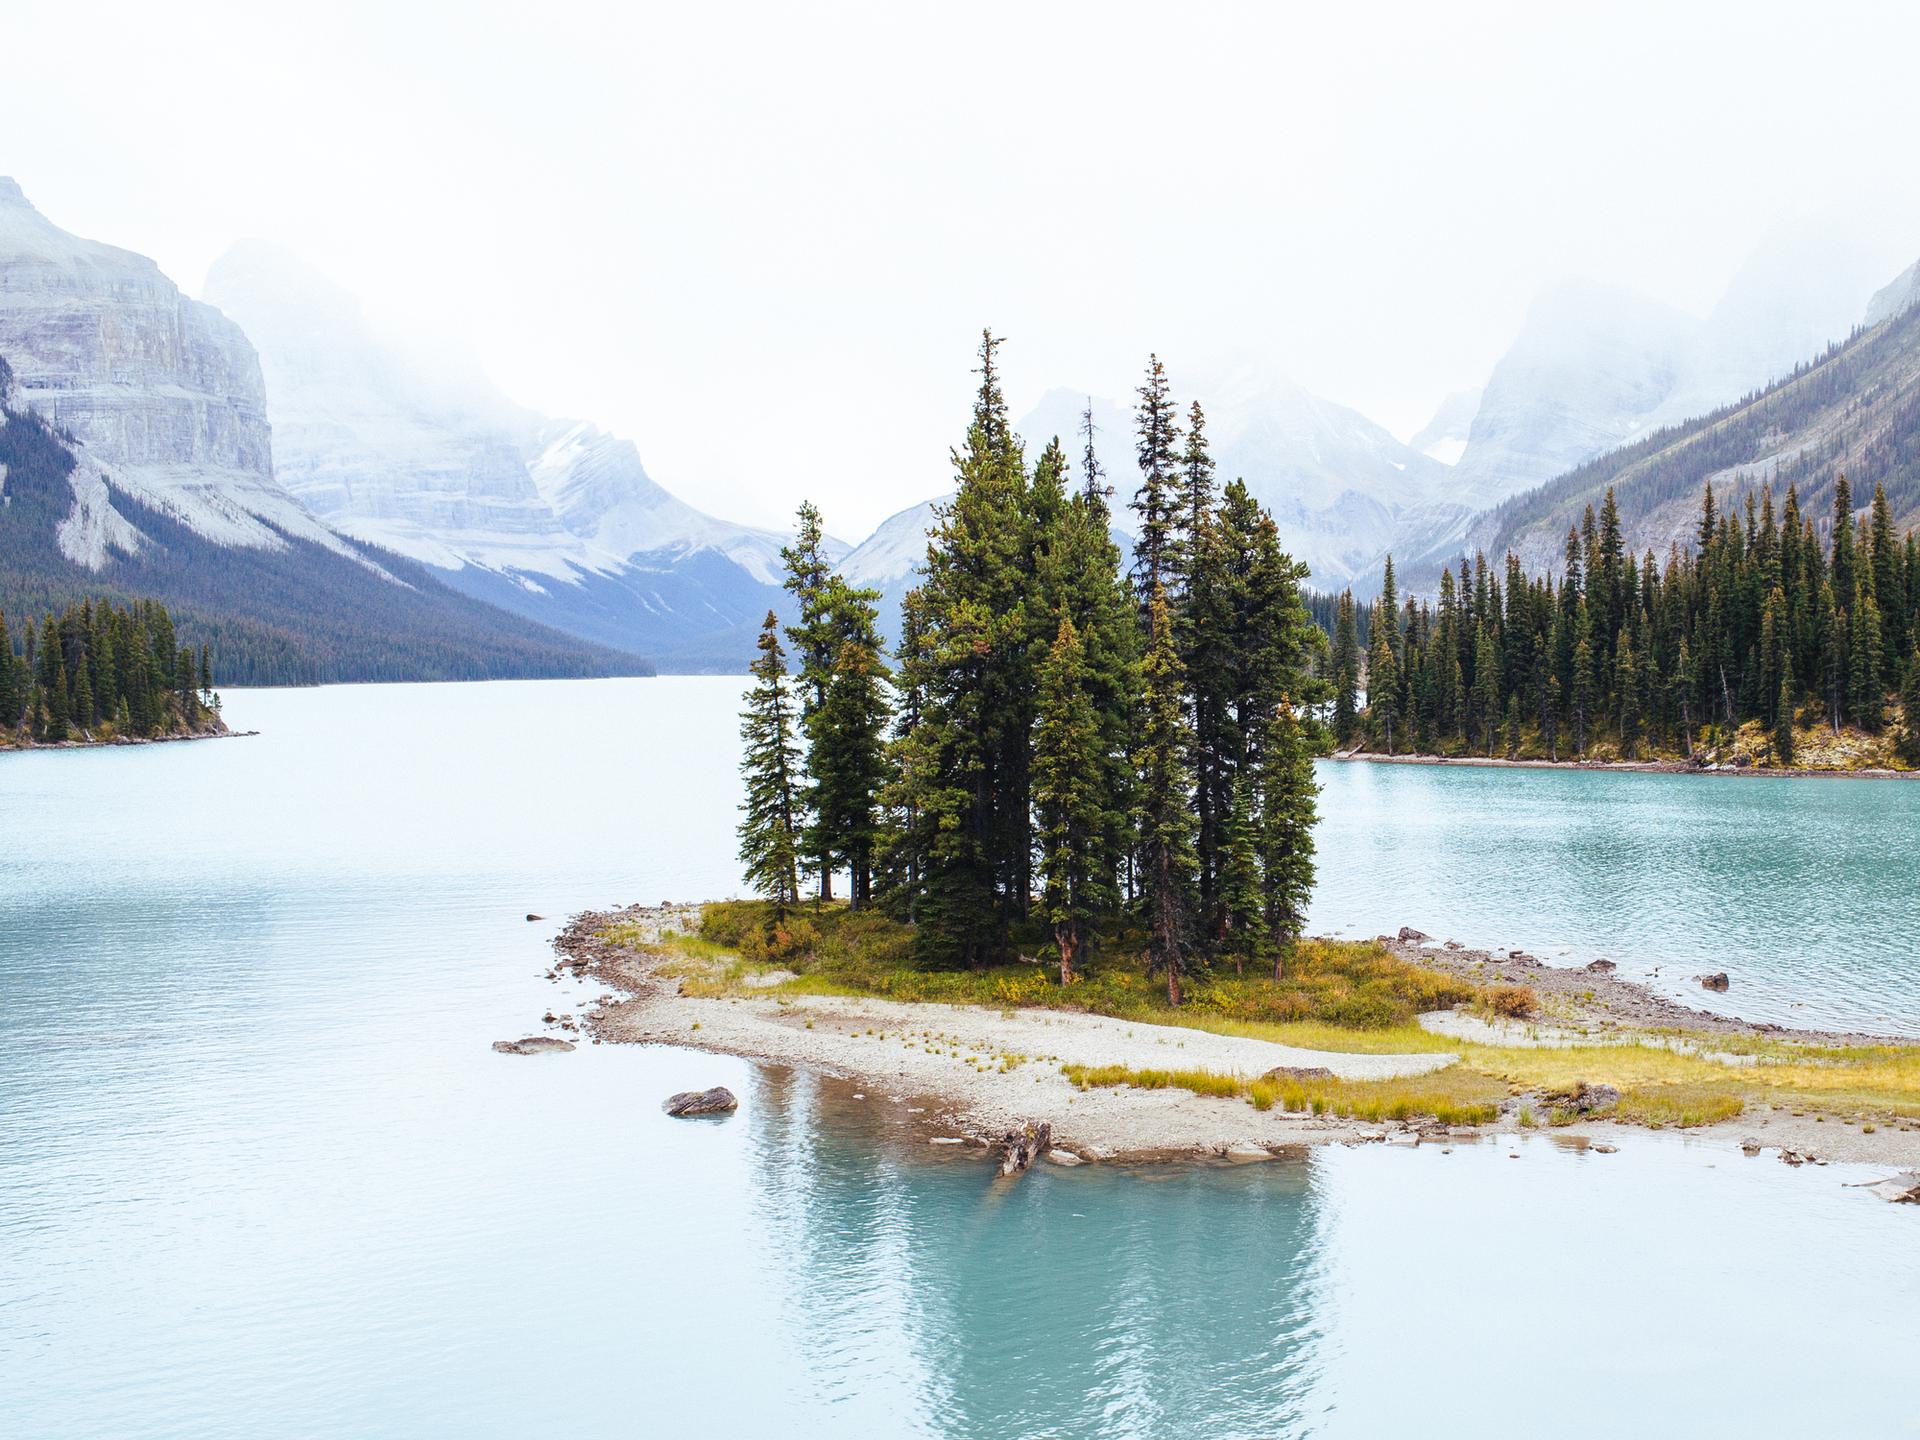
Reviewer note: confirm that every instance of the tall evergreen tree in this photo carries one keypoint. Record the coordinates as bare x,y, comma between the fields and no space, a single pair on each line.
1166,819
769,822
1070,796
1158,500
816,643
1287,812
847,745
1346,670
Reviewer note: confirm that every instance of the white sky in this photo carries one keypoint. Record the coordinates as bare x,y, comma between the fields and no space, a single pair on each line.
762,239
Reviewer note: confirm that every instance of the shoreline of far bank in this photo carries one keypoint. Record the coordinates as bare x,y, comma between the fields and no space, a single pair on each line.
1623,767
34,746
990,1072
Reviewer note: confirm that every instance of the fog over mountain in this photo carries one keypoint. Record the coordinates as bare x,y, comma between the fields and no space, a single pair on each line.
553,518
1596,366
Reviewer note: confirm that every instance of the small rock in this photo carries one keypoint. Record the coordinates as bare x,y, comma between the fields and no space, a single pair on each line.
1243,1152
535,917
1601,967
689,1103
1717,981
1298,1072
550,1018
1407,932
1585,1099
1057,1156
946,1140
1403,1137
534,1045
1602,1148
1750,1146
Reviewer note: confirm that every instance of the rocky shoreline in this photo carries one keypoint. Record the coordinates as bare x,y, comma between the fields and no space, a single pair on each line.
1624,767
975,1076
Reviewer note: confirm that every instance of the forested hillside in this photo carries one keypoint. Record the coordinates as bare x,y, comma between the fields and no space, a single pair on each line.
98,672
294,615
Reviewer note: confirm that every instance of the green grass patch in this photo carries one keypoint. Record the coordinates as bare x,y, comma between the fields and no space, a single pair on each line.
1346,985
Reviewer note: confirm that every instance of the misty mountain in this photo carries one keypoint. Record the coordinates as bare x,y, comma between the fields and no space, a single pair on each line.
1596,367
553,519
1854,410
1342,490
1444,437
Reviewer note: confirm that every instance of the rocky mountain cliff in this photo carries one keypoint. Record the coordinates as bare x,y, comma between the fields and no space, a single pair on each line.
162,391
553,519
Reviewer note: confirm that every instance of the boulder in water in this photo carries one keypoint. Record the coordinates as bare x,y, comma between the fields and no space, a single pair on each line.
1716,982
533,1045
689,1103
1408,933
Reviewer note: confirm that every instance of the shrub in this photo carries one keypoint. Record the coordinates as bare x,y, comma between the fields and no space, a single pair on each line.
1512,1002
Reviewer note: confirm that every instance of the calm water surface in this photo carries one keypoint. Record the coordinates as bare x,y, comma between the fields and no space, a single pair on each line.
261,1175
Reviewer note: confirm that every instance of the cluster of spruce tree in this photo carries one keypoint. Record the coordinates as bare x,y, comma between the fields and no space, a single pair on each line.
1759,620
1061,741
96,668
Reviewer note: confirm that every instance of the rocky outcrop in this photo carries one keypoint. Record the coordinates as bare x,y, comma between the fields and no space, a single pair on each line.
689,1104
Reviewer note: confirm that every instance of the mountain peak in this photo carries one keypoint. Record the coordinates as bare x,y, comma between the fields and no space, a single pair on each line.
11,193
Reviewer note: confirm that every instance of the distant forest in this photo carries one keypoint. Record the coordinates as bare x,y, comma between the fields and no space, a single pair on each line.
1757,621
97,671
297,616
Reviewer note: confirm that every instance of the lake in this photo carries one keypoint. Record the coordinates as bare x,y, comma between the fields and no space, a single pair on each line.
261,1174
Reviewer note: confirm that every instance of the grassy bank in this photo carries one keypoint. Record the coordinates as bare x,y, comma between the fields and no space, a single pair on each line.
1337,995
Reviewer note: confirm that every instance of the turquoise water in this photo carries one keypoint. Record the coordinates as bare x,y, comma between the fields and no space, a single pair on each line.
261,1174
1806,892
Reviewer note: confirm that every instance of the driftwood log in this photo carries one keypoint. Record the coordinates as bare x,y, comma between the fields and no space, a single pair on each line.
1020,1148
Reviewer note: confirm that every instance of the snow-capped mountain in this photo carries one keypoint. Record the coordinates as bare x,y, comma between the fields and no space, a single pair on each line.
1341,489
554,519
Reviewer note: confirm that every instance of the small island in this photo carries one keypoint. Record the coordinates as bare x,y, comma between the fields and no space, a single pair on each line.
97,673
1076,822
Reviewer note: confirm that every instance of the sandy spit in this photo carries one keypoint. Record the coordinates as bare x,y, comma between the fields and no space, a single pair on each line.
987,1072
